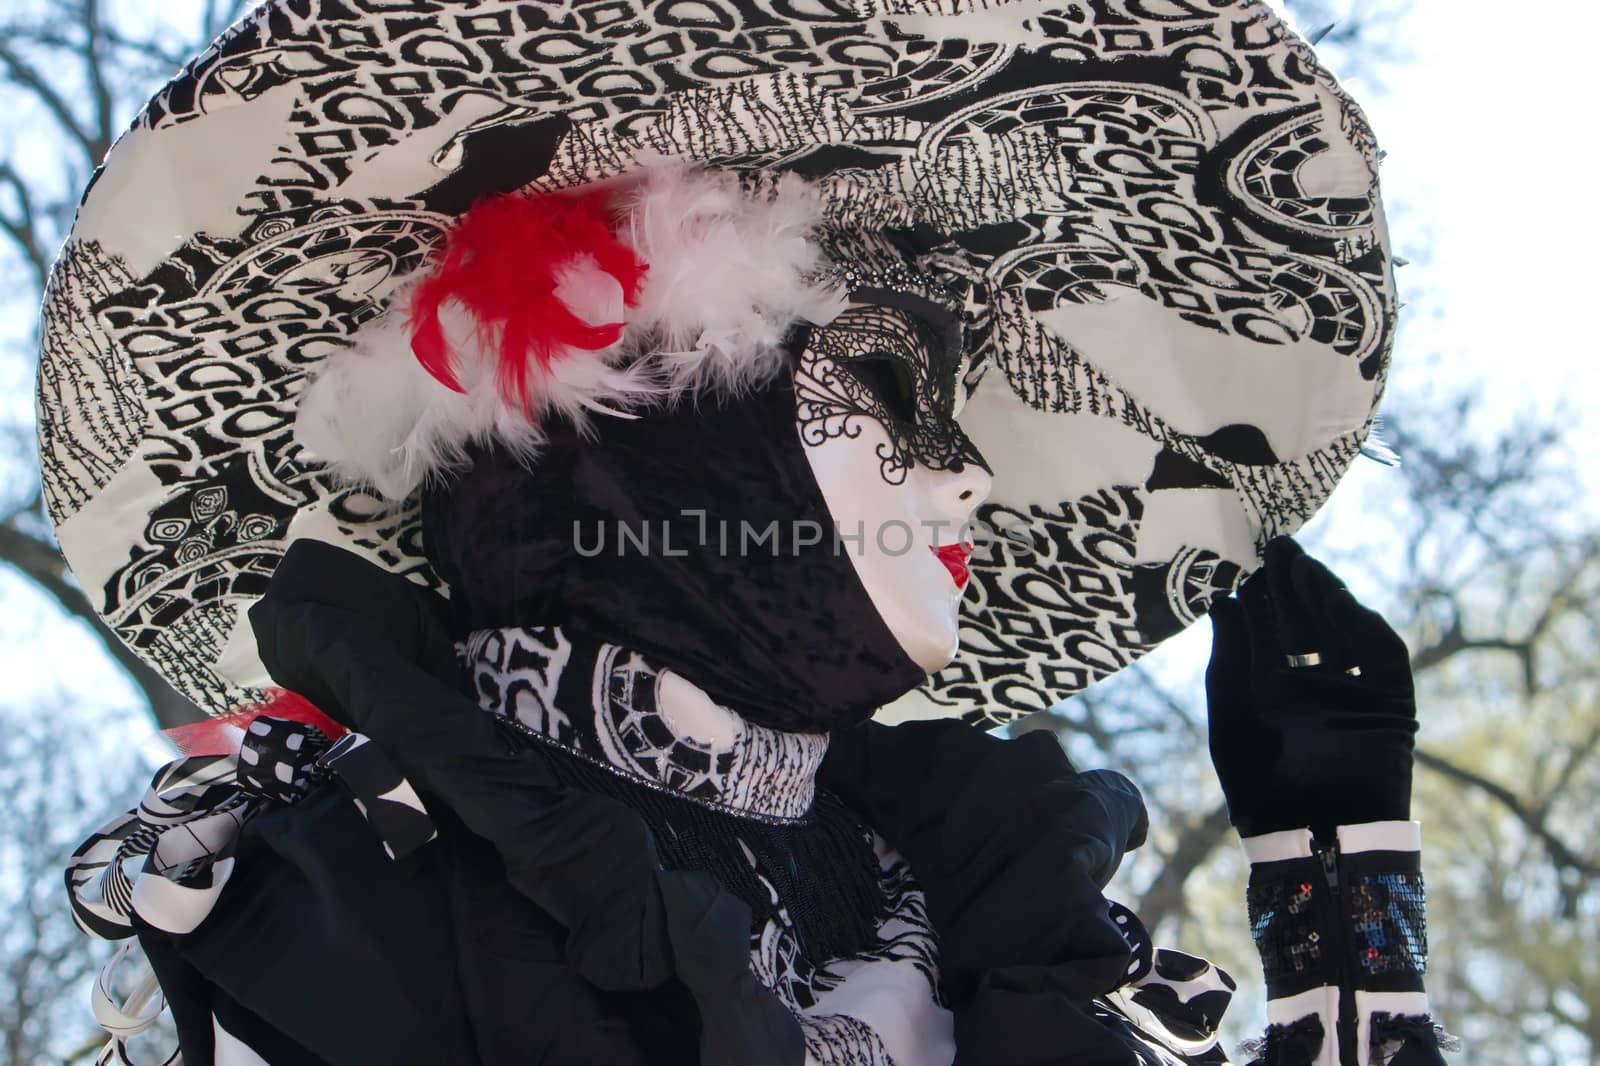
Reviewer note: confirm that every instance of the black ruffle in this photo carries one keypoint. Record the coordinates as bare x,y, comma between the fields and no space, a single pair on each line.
823,872
1012,847
1422,1041
1296,1043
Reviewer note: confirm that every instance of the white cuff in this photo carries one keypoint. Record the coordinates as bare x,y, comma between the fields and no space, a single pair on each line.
1324,1003
1276,847
1353,839
1380,836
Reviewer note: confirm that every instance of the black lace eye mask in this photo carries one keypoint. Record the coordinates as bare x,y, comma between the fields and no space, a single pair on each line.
896,360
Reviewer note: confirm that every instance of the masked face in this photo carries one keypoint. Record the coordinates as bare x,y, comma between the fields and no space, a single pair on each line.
790,633
877,392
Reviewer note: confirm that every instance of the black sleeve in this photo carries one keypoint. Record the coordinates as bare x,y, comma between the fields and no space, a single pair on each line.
364,646
369,648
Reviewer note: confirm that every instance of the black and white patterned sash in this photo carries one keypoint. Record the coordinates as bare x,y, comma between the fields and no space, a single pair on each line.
605,704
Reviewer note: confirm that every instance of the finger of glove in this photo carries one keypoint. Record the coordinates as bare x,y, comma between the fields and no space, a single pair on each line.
1373,643
1230,684
1236,732
1299,624
1282,550
1127,819
1228,671
1261,625
1315,587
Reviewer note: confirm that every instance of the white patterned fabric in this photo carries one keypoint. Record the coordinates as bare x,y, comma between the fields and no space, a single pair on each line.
608,706
703,752
877,1008
1161,222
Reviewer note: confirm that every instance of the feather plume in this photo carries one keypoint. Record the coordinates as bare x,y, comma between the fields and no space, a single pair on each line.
505,264
673,282
376,416
730,275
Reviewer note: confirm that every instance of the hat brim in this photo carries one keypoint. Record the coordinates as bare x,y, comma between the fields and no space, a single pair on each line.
1164,223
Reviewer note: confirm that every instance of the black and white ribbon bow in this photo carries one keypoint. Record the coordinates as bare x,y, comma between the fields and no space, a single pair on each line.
168,858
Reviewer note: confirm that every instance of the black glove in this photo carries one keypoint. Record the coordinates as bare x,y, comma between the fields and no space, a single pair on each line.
1309,700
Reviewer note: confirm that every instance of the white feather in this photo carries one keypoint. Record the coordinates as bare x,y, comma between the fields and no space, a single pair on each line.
376,417
729,275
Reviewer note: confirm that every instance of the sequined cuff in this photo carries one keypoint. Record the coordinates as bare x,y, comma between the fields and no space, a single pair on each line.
1342,933
1352,915
1288,917
1383,905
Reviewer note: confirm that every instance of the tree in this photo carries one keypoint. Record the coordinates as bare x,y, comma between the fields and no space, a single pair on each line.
56,781
73,73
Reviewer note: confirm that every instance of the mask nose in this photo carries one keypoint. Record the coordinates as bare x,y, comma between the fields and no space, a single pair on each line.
965,490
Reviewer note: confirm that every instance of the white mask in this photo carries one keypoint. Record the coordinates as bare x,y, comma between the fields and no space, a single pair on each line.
876,393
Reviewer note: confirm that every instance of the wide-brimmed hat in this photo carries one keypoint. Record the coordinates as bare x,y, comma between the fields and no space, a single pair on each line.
1160,219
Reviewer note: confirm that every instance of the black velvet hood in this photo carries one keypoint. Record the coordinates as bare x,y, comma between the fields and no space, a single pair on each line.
695,535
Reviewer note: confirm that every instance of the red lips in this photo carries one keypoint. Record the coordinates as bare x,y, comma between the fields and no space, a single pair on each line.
954,557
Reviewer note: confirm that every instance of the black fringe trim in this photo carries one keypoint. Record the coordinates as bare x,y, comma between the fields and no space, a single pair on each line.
1295,1044
1399,1028
823,870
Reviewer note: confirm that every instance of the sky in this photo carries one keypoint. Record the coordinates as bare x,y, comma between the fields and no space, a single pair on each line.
1487,128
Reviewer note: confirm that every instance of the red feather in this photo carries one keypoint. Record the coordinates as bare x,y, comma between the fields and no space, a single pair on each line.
503,263
223,734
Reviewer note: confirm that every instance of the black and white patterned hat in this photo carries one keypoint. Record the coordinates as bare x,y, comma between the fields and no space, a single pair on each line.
1161,216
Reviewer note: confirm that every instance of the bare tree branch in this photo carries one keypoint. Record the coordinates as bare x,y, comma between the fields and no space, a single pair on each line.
23,226
1532,819
24,74
1196,841
94,68
44,566
1454,642
1575,759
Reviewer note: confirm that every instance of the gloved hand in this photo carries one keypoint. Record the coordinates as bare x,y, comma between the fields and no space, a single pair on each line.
1309,700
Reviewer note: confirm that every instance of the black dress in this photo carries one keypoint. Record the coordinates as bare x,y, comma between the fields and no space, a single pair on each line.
604,890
